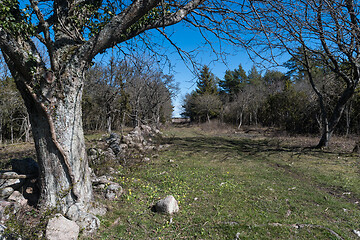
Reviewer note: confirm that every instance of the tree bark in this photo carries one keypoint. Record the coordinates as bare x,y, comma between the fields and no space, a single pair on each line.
60,146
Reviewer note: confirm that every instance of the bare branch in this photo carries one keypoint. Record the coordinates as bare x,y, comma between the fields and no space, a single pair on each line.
45,26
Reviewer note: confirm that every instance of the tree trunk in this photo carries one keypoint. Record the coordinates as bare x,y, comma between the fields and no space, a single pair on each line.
240,119
59,142
1,134
11,131
326,135
108,123
330,124
27,128
348,118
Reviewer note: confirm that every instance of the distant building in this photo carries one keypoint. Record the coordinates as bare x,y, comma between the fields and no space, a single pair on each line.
178,120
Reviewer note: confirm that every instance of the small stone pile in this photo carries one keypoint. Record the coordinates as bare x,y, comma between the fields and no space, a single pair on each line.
133,145
109,189
18,188
140,138
19,184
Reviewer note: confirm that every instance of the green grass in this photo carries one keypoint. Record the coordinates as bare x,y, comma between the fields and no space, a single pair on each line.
231,186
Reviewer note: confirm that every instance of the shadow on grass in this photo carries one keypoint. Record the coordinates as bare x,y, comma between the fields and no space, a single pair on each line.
243,146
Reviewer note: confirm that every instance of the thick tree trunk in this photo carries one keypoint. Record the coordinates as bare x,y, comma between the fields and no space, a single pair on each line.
60,147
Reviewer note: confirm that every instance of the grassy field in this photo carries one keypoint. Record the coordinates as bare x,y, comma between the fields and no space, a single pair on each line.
238,186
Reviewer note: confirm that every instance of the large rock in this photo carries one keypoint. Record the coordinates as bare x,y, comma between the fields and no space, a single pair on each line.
168,205
87,222
26,166
60,228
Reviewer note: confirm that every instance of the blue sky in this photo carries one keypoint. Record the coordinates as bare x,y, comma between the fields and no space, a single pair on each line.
189,39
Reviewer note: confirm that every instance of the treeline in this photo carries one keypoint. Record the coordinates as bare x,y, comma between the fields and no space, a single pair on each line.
116,94
126,94
14,120
273,99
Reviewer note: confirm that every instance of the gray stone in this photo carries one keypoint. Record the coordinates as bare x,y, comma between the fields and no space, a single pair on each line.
113,142
113,191
60,228
357,232
6,192
87,222
17,197
100,180
98,210
14,183
25,166
168,205
92,152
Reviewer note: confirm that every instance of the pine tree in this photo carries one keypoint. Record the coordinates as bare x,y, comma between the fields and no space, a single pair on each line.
254,77
233,82
206,83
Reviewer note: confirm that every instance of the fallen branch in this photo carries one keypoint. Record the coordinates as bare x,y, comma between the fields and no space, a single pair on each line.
16,176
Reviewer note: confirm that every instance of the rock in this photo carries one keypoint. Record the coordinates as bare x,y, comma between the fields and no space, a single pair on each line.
109,154
87,222
100,180
4,215
60,228
357,232
6,192
98,210
114,143
114,136
168,205
113,191
26,166
14,183
17,197
92,152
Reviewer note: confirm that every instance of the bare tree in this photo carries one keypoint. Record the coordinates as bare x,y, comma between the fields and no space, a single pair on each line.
312,31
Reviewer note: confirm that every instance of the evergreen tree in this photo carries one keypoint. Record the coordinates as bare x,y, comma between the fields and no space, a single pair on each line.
233,82
254,77
206,83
